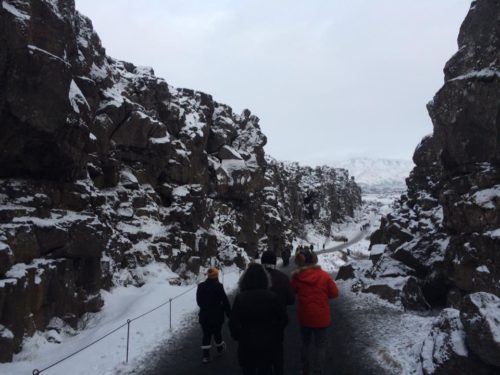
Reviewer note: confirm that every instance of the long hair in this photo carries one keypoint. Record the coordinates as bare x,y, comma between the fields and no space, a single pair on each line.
255,277
305,257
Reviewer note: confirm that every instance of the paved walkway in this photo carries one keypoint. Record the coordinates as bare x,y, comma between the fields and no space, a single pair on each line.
346,351
358,237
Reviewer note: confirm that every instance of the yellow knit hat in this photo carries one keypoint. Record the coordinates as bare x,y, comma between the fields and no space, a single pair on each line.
213,273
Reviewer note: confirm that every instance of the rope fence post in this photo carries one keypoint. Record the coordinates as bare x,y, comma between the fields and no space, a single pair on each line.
170,313
128,338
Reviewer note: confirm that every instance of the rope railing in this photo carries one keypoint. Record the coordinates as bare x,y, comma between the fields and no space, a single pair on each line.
127,323
36,371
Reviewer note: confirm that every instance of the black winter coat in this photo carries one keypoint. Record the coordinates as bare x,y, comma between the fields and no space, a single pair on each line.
280,284
213,302
257,321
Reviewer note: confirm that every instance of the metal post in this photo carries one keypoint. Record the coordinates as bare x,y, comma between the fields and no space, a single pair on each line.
128,337
170,314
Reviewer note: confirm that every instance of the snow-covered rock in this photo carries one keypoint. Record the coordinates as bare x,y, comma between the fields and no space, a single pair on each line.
400,290
443,229
444,350
480,315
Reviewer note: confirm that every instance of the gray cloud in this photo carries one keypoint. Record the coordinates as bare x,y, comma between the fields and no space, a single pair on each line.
329,79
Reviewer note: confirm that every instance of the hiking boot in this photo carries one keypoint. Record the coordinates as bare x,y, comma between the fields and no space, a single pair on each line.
221,348
205,354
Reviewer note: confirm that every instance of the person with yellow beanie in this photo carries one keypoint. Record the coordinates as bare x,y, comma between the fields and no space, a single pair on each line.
213,303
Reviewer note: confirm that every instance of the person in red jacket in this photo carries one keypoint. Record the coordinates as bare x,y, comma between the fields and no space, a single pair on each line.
314,287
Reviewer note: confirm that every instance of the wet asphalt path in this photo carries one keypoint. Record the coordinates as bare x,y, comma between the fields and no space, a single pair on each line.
347,348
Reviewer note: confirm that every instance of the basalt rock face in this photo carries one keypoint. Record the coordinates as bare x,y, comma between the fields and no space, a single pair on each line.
300,198
445,230
105,168
312,197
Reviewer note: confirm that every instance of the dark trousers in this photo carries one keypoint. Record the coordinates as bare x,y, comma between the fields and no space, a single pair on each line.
210,330
278,364
316,360
257,371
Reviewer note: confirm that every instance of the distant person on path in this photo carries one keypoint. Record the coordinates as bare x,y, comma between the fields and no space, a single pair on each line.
285,255
314,288
257,321
213,303
299,249
280,284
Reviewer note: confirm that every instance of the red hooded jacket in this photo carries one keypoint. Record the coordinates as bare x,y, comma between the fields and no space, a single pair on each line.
314,287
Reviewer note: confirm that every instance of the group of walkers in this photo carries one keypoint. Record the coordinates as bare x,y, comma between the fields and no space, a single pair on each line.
258,316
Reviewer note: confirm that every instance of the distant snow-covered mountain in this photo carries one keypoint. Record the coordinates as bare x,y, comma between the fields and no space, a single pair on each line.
376,174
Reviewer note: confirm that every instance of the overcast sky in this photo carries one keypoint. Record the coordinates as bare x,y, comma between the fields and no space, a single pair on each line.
329,79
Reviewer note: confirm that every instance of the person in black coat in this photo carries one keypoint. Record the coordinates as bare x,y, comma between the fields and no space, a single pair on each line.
285,255
280,285
257,320
213,303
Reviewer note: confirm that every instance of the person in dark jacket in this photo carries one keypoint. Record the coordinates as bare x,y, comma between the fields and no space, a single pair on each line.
280,284
314,288
285,255
257,320
213,303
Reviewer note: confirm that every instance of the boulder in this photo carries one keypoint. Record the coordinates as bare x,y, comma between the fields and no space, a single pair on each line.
353,270
7,344
50,238
128,179
480,315
425,153
6,258
387,266
228,153
345,272
22,241
401,290
444,350
473,262
136,131
376,252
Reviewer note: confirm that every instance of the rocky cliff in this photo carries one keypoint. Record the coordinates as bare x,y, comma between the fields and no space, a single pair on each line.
104,168
311,197
441,245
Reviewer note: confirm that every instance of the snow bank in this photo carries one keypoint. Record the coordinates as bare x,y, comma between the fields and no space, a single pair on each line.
120,304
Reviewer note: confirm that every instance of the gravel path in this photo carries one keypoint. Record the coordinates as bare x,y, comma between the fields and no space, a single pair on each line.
348,351
358,237
349,346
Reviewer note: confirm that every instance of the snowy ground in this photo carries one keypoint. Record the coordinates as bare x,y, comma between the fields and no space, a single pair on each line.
146,333
394,337
122,303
